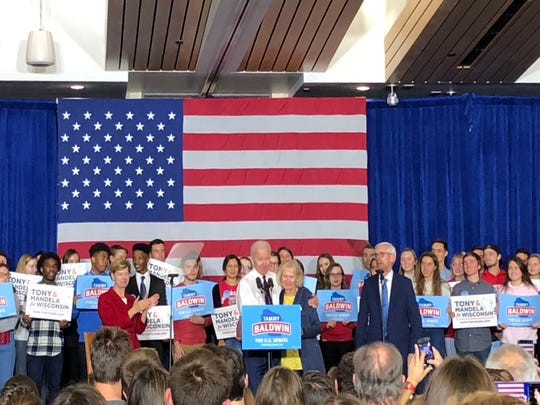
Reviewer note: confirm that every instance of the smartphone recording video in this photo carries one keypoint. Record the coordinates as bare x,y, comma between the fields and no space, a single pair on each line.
424,345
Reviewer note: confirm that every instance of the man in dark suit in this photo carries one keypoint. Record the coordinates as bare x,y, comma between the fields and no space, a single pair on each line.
143,284
388,309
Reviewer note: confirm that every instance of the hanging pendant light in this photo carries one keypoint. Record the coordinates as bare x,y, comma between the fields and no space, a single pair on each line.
40,45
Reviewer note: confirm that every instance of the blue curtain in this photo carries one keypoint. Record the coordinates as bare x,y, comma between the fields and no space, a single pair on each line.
458,168
27,177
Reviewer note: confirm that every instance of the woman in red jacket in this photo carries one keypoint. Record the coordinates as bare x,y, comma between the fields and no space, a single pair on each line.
116,308
336,337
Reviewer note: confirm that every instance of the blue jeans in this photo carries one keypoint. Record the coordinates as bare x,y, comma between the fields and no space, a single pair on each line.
482,355
7,360
20,359
46,368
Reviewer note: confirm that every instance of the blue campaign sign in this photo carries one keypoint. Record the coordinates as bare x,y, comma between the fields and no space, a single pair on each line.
195,299
519,310
7,300
310,283
89,288
271,327
433,310
357,280
339,305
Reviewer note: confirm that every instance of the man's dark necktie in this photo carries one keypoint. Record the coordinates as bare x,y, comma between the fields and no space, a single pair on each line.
267,296
142,288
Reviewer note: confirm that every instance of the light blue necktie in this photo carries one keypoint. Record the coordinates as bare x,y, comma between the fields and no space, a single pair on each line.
142,289
384,302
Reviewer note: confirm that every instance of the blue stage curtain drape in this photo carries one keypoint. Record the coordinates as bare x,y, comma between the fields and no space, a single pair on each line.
28,167
465,169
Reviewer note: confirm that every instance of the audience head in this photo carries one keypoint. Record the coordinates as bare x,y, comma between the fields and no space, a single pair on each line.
479,250
317,387
118,252
407,261
99,257
285,254
456,376
234,360
231,266
247,266
533,265
492,255
378,371
275,261
109,348
344,374
324,262
71,256
280,386
48,266
456,265
523,254
200,377
148,386
20,390
157,249
135,360
440,248
335,277
79,394
472,264
3,257
27,264
498,374
517,268
293,268
141,255
368,254
514,359
342,399
485,398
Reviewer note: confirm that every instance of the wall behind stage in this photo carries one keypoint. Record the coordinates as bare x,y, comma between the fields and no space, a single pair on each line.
463,168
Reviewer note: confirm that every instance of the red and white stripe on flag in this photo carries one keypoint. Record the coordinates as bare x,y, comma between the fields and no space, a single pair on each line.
290,171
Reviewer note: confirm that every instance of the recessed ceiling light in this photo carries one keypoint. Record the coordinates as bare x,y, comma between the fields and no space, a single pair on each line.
76,87
362,88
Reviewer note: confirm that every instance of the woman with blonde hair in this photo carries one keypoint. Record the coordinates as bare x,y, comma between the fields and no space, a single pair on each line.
455,378
280,386
27,265
408,263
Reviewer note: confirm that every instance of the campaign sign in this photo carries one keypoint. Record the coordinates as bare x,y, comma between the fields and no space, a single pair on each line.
271,327
473,311
536,283
195,299
225,320
89,288
162,270
310,283
358,279
157,324
337,305
49,302
69,272
433,310
7,300
21,282
519,310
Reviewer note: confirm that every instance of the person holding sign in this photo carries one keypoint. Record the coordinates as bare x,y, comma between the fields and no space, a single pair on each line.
428,282
518,283
336,337
224,293
7,326
45,341
116,308
291,279
473,341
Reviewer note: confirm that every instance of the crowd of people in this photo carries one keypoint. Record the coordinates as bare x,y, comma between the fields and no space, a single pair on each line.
197,367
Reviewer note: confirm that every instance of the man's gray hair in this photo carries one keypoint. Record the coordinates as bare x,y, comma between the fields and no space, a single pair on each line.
515,360
378,369
260,244
388,246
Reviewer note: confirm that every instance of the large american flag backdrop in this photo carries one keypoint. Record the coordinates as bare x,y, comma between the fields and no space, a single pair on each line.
225,172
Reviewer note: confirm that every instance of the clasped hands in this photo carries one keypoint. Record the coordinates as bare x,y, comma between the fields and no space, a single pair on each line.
144,304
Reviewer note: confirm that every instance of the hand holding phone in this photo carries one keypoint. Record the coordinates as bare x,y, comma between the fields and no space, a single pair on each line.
424,345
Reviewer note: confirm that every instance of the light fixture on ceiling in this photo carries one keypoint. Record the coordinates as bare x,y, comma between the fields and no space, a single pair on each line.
362,88
76,87
392,98
40,45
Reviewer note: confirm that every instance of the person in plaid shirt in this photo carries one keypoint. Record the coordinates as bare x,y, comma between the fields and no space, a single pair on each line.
45,342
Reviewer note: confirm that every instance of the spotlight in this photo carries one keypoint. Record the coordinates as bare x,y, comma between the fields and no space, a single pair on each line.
40,45
392,98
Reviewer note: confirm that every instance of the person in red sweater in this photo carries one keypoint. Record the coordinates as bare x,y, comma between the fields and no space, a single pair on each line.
189,334
336,337
116,308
